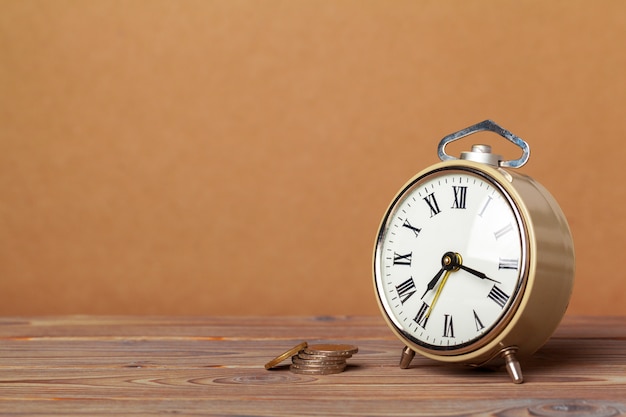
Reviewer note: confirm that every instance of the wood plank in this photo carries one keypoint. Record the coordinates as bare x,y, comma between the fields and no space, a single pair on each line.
214,366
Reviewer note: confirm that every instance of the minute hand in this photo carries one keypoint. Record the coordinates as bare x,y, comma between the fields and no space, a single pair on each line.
433,281
475,272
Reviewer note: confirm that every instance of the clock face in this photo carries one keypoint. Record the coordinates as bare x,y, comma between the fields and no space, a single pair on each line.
450,260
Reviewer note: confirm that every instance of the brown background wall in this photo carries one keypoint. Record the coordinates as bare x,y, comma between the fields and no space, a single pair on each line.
235,157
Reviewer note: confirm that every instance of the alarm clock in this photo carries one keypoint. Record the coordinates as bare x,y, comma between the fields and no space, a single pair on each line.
474,262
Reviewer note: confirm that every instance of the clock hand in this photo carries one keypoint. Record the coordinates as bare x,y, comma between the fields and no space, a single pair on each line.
457,263
443,282
433,282
447,263
477,273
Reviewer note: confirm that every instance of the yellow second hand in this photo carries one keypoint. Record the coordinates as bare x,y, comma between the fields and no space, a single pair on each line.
443,282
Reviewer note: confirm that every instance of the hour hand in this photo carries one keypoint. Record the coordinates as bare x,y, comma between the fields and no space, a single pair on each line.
476,273
448,262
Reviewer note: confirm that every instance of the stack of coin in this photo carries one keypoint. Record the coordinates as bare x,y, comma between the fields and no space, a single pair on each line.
320,359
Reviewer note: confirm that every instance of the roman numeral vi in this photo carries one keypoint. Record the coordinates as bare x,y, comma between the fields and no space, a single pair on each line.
448,329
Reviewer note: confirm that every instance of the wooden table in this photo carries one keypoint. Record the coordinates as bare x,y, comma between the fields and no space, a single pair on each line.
215,366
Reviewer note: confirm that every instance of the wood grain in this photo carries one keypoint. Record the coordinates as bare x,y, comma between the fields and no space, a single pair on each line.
214,366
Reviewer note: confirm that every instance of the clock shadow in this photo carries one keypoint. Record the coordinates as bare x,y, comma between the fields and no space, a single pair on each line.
559,360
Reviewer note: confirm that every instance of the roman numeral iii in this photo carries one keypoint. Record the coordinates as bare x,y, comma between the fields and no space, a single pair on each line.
506,263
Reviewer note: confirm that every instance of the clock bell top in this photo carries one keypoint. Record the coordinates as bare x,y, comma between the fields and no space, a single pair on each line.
482,153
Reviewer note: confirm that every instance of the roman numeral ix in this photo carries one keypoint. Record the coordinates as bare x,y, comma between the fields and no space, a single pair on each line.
402,259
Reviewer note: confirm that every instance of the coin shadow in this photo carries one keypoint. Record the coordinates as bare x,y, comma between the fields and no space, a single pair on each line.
353,367
279,368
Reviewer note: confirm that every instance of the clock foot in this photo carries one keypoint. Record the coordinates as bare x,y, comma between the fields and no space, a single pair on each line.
512,365
407,357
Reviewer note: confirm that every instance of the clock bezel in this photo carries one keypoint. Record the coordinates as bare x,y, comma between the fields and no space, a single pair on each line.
501,180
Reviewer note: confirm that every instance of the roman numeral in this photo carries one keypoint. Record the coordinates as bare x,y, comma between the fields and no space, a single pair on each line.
421,319
482,211
406,290
448,329
498,296
506,229
479,324
402,259
508,263
460,194
432,204
410,227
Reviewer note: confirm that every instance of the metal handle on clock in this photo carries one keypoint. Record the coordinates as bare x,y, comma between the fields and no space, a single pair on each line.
491,126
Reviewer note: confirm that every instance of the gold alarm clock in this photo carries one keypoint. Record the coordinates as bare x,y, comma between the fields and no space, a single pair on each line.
473,262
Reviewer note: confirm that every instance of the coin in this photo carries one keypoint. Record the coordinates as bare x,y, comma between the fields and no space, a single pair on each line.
315,371
318,366
278,359
320,359
318,362
304,355
331,350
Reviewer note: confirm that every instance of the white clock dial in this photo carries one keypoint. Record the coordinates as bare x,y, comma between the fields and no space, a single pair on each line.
450,259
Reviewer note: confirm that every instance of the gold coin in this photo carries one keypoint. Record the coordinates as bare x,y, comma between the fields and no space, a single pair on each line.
318,362
315,371
278,359
331,350
308,356
318,366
